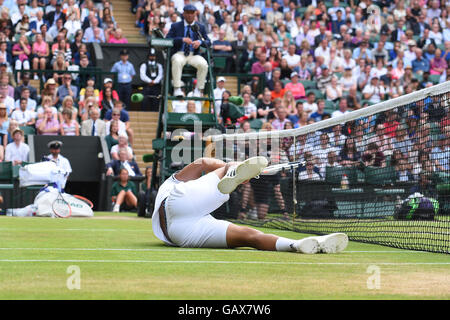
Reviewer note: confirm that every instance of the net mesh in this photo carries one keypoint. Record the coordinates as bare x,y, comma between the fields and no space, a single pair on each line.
380,174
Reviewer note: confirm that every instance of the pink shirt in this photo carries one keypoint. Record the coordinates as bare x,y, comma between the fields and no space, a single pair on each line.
437,64
50,124
298,91
114,40
41,48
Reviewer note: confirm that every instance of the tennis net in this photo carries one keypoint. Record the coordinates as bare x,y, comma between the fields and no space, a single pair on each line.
381,174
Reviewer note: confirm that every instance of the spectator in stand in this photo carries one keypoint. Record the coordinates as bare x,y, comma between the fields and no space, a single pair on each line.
123,192
124,118
54,15
31,103
108,83
121,144
4,125
309,173
303,120
349,155
218,92
17,151
320,114
67,89
323,51
420,65
280,118
438,64
278,91
310,105
265,106
320,153
24,114
293,59
94,33
40,54
107,103
113,137
59,65
5,87
48,125
67,104
348,81
353,99
398,71
324,79
223,48
94,126
69,126
295,87
374,92
258,66
294,118
116,113
343,108
289,102
61,47
21,52
379,69
249,107
333,91
117,37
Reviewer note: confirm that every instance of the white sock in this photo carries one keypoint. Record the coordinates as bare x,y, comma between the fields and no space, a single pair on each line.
284,244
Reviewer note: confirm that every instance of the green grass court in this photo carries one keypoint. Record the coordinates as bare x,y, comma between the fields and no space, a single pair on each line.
119,258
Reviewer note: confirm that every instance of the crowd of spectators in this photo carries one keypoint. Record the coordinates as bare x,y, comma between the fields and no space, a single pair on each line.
314,60
51,38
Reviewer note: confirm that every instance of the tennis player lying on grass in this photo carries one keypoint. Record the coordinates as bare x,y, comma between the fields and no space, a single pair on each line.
186,199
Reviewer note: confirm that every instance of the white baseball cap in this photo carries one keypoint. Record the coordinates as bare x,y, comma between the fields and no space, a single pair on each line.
221,79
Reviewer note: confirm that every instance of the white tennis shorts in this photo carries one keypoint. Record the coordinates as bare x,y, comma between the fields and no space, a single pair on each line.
188,213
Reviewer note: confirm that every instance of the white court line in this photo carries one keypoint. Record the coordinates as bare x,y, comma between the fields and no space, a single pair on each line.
197,250
228,262
78,229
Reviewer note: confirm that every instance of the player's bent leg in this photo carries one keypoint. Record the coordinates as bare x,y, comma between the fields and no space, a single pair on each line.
238,236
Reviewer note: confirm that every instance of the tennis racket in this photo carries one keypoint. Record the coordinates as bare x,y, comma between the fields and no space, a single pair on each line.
61,208
274,169
86,200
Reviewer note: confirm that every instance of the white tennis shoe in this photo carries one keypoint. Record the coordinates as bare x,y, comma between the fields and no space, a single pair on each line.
308,245
237,174
332,243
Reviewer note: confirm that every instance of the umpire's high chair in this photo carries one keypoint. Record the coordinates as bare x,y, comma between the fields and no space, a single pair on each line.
169,139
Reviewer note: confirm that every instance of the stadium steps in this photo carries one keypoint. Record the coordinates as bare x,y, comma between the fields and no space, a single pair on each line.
125,20
36,84
231,84
144,125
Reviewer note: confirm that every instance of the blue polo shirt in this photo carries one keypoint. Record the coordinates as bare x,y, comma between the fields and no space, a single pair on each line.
125,71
